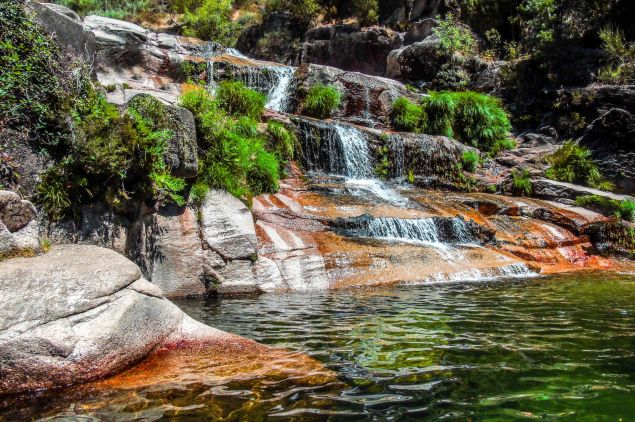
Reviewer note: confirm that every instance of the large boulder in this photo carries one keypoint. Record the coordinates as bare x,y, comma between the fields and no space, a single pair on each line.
278,39
81,313
67,27
348,47
366,100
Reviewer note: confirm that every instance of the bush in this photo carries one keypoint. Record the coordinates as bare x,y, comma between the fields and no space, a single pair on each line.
236,158
116,9
521,183
238,100
35,86
622,209
407,116
305,11
621,55
454,37
470,161
472,118
573,163
211,21
321,101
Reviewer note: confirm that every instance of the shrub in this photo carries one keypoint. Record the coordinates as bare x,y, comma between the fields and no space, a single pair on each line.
407,116
305,11
470,161
621,55
238,100
281,140
454,36
472,118
321,101
521,183
35,87
573,163
236,158
211,21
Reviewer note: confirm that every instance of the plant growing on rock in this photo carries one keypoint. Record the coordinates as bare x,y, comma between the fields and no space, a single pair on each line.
238,100
321,101
521,183
472,118
407,116
470,161
454,37
281,140
211,21
574,163
621,209
236,158
621,55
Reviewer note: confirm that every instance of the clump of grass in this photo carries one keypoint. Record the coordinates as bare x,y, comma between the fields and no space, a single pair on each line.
407,116
573,163
475,119
321,101
470,161
238,100
621,209
621,55
521,183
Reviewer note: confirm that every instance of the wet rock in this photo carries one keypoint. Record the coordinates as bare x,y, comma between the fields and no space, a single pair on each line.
227,226
567,193
278,39
348,47
366,99
612,238
64,322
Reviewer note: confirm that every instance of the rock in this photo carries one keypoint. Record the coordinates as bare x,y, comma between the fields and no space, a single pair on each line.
567,193
20,165
182,154
67,27
169,246
418,31
278,39
611,138
398,13
15,213
227,226
64,322
367,99
348,47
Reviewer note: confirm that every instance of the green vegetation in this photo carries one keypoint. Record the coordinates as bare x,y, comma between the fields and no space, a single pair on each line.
621,209
35,87
281,140
212,21
621,55
470,161
116,9
238,100
454,37
321,101
407,116
236,158
573,163
521,183
475,119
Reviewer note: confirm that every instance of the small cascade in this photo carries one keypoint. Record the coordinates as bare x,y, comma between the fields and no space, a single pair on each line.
397,152
435,231
517,270
278,96
356,155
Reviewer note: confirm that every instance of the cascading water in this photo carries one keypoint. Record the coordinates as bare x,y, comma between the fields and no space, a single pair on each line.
278,95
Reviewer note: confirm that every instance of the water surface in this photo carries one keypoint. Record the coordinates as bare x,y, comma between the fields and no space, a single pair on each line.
547,349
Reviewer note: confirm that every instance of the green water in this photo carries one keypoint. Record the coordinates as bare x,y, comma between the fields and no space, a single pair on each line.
547,349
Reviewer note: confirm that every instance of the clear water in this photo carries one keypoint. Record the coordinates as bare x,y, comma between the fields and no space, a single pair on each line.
540,349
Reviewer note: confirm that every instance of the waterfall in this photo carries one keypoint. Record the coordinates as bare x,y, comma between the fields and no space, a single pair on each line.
434,231
356,155
517,270
278,95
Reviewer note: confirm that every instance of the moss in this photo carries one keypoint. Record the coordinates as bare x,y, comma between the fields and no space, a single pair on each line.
281,140
470,161
321,101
